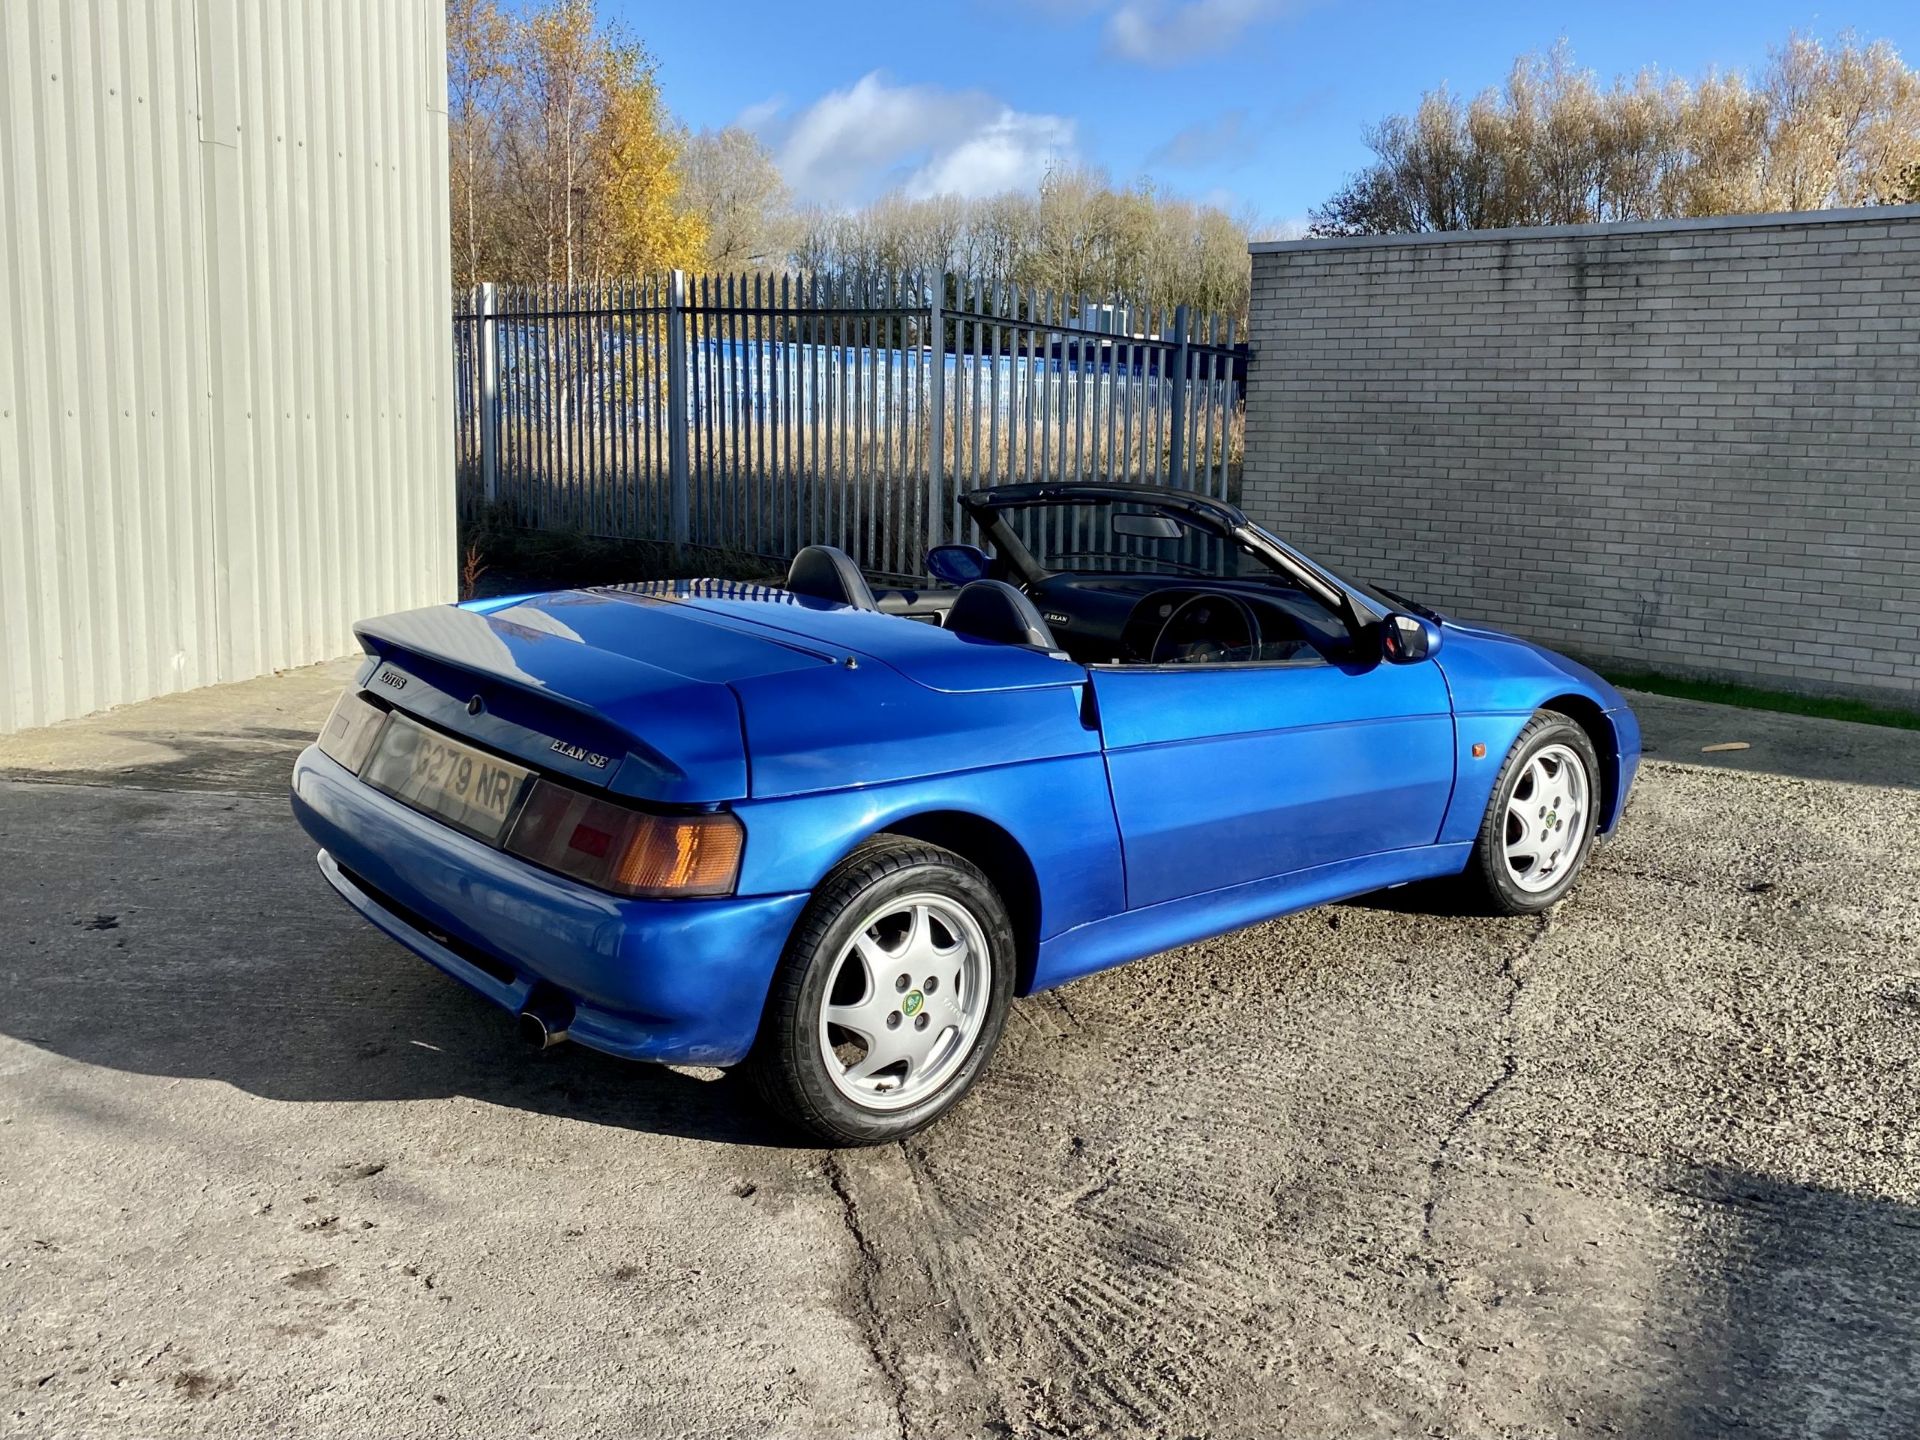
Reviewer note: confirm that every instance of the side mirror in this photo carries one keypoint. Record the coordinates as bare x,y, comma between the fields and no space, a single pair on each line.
1407,639
958,564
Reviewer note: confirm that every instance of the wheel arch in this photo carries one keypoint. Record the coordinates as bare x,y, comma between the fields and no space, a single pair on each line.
1001,858
1588,714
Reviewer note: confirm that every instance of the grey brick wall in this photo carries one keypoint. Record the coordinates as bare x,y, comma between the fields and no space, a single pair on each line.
1691,447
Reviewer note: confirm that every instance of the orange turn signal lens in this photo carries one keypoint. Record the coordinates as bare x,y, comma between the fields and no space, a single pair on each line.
627,851
681,855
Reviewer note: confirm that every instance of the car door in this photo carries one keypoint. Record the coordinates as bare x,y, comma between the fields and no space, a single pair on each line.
1225,774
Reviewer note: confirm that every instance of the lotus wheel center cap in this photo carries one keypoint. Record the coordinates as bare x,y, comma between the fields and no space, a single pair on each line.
912,1003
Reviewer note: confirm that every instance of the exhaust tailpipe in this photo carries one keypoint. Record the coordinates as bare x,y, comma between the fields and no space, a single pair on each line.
543,1024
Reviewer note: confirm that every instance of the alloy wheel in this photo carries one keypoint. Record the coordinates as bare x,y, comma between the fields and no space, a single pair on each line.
905,1001
1546,820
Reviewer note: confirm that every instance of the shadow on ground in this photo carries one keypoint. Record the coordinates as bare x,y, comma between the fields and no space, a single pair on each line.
1792,1312
1643,1170
190,934
284,1037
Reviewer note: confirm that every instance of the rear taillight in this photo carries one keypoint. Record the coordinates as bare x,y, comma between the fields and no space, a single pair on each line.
350,730
626,851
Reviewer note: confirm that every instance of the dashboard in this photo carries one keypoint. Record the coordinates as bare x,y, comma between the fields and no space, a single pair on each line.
1146,619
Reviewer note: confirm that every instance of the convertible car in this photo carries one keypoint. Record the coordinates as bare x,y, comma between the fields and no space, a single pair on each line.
827,833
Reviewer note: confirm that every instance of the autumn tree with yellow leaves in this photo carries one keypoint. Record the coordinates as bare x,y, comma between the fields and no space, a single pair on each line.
565,165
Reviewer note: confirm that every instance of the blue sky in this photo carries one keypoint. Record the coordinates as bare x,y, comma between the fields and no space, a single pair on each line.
1255,104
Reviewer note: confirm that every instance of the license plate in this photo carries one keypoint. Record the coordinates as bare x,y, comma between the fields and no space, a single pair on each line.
465,787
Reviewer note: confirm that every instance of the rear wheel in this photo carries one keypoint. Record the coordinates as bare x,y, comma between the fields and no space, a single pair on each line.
890,997
1540,825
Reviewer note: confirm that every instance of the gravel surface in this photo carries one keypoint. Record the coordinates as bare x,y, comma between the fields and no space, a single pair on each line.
1644,1167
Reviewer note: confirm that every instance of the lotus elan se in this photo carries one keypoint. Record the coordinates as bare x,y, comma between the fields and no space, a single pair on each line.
828,834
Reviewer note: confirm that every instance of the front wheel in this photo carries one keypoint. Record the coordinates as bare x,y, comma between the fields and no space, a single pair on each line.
1540,825
890,996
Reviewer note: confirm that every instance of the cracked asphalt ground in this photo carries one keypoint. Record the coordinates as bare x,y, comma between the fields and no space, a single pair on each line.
1645,1167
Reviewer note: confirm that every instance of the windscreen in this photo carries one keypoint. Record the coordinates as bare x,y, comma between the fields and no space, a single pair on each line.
1127,538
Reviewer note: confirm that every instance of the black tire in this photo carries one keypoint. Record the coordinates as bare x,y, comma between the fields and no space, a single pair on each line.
787,1064
1490,886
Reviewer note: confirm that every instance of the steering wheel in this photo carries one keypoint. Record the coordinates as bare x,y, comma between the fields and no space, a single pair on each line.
1205,629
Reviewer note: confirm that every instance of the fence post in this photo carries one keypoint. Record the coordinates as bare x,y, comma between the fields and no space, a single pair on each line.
489,395
1177,403
679,515
937,398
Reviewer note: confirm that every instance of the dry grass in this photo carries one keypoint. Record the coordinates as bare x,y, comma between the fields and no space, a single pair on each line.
767,488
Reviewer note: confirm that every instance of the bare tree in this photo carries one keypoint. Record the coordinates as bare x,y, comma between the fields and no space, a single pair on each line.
477,36
1078,236
733,184
554,114
1822,127
1842,124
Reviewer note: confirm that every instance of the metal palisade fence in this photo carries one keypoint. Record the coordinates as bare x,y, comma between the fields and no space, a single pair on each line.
760,413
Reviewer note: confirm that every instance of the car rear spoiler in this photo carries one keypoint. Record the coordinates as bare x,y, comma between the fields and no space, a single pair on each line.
512,681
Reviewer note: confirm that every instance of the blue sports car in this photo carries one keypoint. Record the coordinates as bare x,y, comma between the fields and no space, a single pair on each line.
828,833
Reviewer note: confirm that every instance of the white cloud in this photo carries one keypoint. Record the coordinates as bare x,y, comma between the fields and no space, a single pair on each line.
1167,32
1226,139
1011,153
761,113
853,144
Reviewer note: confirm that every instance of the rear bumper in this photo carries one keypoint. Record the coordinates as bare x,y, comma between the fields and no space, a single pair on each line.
679,980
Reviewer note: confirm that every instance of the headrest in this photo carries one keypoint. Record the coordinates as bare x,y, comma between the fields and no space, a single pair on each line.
994,610
829,574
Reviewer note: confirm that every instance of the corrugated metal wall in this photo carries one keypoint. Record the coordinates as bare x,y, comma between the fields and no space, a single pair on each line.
225,425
